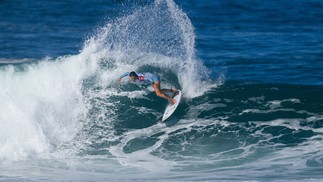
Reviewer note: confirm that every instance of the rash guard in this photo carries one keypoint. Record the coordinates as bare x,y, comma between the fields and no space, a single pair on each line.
146,77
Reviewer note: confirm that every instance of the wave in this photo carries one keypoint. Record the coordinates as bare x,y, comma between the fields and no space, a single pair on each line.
5,61
160,36
41,106
51,102
69,111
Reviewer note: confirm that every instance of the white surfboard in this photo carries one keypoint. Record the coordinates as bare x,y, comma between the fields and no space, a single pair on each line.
170,109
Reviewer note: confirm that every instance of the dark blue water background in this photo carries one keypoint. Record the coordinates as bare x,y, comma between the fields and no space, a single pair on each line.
263,41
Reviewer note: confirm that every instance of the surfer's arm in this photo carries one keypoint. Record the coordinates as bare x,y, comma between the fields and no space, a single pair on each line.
122,76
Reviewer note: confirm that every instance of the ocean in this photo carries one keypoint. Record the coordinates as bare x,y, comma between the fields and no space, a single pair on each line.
251,73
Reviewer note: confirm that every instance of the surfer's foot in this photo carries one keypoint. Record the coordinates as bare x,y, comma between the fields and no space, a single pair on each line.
175,93
173,90
172,102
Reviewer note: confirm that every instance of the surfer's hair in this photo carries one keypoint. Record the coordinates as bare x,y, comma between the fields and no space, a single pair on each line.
133,74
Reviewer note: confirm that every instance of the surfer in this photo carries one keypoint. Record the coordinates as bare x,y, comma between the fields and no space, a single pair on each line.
142,78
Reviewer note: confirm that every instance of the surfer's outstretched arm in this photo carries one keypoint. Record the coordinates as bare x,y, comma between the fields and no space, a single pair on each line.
122,76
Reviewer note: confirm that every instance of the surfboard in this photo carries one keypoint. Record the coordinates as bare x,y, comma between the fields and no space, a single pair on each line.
170,109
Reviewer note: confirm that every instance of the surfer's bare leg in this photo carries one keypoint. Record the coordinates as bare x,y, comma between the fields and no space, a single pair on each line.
159,93
168,90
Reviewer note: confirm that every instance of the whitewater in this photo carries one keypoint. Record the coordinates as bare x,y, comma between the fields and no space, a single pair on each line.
49,104
65,118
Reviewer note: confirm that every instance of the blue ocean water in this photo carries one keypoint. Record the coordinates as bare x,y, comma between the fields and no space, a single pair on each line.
251,74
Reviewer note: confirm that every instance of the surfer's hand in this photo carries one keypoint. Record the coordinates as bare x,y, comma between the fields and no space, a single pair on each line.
172,102
118,79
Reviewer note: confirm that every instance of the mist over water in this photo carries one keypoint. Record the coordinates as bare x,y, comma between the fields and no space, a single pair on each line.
159,36
66,118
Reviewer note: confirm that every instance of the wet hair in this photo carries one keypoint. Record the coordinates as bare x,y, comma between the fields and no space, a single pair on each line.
133,74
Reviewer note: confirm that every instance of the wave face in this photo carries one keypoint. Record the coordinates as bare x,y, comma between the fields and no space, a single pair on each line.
53,103
66,118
